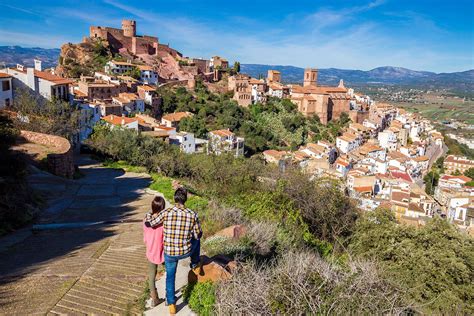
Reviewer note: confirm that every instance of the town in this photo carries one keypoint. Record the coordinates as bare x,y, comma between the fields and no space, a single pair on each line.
382,156
334,182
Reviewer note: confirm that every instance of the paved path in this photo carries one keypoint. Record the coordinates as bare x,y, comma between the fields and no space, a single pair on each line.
95,270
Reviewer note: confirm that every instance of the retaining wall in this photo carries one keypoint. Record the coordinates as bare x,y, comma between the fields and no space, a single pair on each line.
61,162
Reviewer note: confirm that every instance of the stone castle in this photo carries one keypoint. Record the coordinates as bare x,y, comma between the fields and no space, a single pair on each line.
126,38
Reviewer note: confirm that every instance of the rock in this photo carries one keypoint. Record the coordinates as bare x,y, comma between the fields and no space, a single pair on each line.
234,231
211,270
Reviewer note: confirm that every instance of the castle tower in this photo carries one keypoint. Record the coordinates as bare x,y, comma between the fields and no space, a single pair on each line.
129,28
310,77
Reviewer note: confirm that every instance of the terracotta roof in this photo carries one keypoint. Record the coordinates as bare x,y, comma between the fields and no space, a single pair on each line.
176,117
146,88
342,162
275,153
363,189
447,177
52,78
145,68
421,158
4,75
118,120
222,132
401,175
400,197
458,159
122,63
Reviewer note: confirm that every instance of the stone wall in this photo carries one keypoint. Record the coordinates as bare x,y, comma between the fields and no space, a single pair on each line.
61,161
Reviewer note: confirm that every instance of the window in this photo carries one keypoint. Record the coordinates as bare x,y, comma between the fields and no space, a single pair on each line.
5,85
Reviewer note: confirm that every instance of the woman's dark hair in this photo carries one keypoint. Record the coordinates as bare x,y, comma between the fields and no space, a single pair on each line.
181,196
158,204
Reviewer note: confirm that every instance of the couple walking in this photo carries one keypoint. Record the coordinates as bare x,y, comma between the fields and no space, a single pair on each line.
170,235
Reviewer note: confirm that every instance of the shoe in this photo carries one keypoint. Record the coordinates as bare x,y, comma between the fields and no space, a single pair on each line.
155,301
197,269
172,309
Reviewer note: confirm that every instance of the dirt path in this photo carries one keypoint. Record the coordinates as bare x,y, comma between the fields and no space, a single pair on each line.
100,269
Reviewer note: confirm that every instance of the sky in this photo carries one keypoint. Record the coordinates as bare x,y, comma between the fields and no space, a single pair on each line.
427,35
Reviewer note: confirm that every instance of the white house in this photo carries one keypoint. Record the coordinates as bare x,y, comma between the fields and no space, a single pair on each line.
118,67
6,90
43,83
347,143
388,140
185,141
121,121
130,102
225,141
148,75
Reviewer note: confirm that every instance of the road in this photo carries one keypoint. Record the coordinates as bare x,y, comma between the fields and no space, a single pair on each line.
99,269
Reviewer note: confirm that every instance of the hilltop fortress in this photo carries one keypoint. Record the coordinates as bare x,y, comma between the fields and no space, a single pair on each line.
126,38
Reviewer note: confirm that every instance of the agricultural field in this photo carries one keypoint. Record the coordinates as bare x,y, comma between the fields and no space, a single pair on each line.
439,108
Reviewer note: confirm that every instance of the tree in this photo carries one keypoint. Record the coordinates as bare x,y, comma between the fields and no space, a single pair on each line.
46,116
431,181
236,67
469,173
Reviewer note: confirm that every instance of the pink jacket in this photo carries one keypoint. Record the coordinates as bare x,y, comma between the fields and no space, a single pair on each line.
153,238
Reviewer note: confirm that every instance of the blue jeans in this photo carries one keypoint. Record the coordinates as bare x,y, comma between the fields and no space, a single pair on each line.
171,264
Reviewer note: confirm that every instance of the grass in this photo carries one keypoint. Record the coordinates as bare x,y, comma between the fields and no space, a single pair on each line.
201,298
164,185
124,166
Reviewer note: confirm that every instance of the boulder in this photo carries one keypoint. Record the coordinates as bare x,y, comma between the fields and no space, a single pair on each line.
212,269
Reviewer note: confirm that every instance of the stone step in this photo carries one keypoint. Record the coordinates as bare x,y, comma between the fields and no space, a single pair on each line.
79,308
98,296
110,289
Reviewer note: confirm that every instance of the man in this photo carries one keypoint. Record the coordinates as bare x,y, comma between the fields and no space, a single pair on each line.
182,233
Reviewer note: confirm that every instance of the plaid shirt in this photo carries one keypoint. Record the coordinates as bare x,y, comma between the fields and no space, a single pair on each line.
180,225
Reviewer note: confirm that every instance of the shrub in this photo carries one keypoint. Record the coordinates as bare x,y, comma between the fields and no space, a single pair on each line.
201,298
262,237
303,283
220,245
434,263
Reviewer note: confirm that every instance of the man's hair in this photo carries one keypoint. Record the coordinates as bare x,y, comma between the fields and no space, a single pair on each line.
158,204
181,195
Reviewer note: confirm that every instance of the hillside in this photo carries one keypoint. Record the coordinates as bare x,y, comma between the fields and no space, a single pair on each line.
381,75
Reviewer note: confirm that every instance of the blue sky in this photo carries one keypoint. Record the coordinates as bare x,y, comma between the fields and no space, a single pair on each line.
418,34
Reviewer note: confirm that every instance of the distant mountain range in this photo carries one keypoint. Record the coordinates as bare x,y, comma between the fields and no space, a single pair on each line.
461,81
12,55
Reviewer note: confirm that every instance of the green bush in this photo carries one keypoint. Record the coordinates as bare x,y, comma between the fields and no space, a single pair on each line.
434,263
201,298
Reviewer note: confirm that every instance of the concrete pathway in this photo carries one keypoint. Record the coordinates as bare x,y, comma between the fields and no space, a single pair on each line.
93,270
181,281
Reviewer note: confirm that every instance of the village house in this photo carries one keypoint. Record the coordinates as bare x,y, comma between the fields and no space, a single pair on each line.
342,166
6,90
188,143
447,181
218,62
173,119
457,163
277,157
347,142
130,102
93,89
148,75
224,140
121,121
388,140
40,82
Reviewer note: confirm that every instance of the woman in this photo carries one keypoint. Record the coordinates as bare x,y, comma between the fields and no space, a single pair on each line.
153,238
